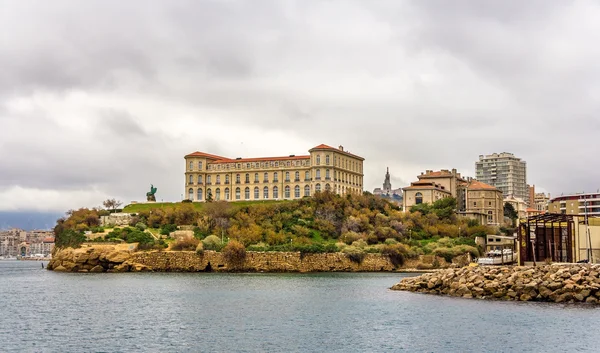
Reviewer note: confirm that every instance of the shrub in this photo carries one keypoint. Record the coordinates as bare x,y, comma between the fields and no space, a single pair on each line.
350,237
360,243
258,247
185,243
234,253
212,242
186,201
390,241
331,248
167,229
141,226
395,253
69,238
354,254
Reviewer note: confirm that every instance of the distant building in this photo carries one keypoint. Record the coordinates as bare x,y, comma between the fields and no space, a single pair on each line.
423,192
387,191
451,181
519,205
15,242
506,172
273,178
486,200
576,204
541,201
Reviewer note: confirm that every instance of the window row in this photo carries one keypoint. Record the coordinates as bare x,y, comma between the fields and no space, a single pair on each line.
345,163
343,177
258,165
266,193
247,179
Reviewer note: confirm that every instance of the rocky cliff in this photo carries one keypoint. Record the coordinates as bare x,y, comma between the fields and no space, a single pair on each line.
550,283
107,258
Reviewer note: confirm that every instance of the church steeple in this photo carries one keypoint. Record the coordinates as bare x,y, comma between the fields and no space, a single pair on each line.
387,185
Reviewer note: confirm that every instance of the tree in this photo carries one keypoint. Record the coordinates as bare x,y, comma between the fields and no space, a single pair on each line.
112,204
510,212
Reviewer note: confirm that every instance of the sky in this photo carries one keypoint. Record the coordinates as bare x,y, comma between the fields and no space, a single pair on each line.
100,99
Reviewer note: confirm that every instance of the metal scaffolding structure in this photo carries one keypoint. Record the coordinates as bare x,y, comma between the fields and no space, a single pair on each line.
548,236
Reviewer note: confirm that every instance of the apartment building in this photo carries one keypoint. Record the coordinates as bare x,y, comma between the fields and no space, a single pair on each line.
325,168
505,172
576,204
486,200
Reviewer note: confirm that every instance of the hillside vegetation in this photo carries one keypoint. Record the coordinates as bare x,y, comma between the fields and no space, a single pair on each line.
353,224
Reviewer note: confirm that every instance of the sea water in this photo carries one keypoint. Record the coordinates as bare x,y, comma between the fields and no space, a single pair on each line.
45,311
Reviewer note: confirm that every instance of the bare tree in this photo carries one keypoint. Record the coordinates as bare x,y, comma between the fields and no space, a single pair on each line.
112,204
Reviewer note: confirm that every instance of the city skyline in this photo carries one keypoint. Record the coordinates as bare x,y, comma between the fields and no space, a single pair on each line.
100,100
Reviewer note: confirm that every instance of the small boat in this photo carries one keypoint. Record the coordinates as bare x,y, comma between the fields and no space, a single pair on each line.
498,257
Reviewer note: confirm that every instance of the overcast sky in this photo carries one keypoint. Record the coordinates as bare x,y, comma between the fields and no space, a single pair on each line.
100,99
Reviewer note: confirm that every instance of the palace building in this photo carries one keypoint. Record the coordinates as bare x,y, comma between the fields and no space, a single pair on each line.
212,177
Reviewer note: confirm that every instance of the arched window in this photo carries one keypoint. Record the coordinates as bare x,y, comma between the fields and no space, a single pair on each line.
266,178
418,198
490,217
275,192
327,159
226,178
191,179
256,177
306,176
318,175
317,187
191,194
226,193
208,179
286,192
199,194
199,179
208,193
327,187
247,178
287,176
256,193
218,179
318,159
327,176
199,165
306,190
218,194
275,177
297,176
191,166
247,193
237,178
296,191
335,175
266,192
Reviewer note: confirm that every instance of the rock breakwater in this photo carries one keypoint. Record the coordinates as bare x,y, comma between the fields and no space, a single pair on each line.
550,283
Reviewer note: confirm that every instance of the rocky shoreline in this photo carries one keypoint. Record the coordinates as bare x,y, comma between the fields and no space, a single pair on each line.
559,283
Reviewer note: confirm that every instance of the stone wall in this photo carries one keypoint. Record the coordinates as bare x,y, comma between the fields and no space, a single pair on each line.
550,283
120,258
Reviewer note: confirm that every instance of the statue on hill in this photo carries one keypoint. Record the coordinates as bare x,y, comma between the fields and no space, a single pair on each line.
150,195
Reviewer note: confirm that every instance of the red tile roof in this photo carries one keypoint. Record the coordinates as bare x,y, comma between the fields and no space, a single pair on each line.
206,155
326,147
478,185
260,159
48,240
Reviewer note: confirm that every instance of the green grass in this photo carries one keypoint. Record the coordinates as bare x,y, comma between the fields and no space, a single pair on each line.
139,207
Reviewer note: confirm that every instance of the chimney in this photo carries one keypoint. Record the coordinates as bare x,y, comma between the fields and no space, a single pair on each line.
341,148
454,171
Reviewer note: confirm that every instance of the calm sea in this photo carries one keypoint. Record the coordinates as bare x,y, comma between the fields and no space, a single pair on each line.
44,311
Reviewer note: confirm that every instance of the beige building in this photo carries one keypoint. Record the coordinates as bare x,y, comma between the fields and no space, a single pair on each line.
485,199
541,201
325,168
519,205
451,181
423,192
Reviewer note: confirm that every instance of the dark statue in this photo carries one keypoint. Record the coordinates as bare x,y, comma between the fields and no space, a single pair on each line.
150,195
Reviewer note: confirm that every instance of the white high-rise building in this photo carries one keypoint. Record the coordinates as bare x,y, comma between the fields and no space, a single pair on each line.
506,172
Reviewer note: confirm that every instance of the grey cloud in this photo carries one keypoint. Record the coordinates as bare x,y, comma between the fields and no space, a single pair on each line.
411,85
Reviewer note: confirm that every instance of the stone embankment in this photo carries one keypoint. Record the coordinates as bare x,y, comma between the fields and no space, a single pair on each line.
107,258
550,283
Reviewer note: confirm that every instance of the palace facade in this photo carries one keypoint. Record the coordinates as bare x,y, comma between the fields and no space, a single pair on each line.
213,177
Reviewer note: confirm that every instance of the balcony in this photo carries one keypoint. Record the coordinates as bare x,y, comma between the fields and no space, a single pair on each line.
218,183
317,178
287,180
306,179
297,179
256,181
